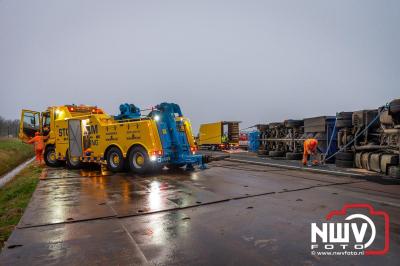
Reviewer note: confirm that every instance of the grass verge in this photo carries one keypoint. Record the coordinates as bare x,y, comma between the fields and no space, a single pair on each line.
14,197
12,153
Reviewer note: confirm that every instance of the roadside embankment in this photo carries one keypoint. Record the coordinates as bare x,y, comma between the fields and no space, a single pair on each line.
12,153
14,197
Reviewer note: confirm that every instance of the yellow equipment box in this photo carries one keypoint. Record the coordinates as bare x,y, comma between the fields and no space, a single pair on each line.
219,135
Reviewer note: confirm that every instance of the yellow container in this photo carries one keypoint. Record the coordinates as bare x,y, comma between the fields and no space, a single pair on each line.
219,133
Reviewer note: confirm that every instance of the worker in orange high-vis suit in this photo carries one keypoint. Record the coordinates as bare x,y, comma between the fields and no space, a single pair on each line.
38,142
310,149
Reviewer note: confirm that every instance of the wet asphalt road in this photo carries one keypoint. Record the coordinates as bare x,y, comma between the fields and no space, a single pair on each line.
230,214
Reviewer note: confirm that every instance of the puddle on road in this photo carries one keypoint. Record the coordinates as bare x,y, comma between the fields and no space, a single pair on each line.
98,171
94,192
73,195
124,192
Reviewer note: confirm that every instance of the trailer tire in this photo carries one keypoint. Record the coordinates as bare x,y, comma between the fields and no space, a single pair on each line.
72,163
344,116
291,123
385,118
115,160
344,123
394,171
276,153
344,164
294,156
394,106
344,119
50,157
275,124
345,156
262,152
139,161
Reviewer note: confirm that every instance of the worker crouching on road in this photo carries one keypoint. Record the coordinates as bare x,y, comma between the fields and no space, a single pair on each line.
38,142
310,150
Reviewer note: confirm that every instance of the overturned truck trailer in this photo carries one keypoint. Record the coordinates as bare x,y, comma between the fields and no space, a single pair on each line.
370,139
281,139
285,139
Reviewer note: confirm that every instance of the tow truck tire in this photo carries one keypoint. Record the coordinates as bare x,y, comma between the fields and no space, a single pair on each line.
276,153
344,164
115,160
294,156
50,157
72,164
139,161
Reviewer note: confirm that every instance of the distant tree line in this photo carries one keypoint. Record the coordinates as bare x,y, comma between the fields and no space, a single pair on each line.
8,127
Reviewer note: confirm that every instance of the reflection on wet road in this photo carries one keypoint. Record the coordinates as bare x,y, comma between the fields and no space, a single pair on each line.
231,213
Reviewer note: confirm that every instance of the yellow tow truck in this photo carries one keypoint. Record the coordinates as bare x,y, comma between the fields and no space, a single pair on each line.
219,135
77,134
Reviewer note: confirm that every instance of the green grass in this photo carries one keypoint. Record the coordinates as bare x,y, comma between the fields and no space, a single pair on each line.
12,153
14,197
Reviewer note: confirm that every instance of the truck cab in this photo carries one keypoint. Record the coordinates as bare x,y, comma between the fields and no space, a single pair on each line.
51,124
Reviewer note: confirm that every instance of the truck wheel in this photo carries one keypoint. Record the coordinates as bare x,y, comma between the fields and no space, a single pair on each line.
345,156
139,161
115,160
294,156
344,164
344,119
394,171
262,152
394,106
344,123
73,163
276,153
293,123
50,157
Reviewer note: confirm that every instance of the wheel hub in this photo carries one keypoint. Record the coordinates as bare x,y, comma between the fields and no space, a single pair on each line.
74,160
52,156
115,160
139,159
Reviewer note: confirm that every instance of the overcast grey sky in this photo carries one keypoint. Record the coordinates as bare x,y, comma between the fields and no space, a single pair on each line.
254,61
